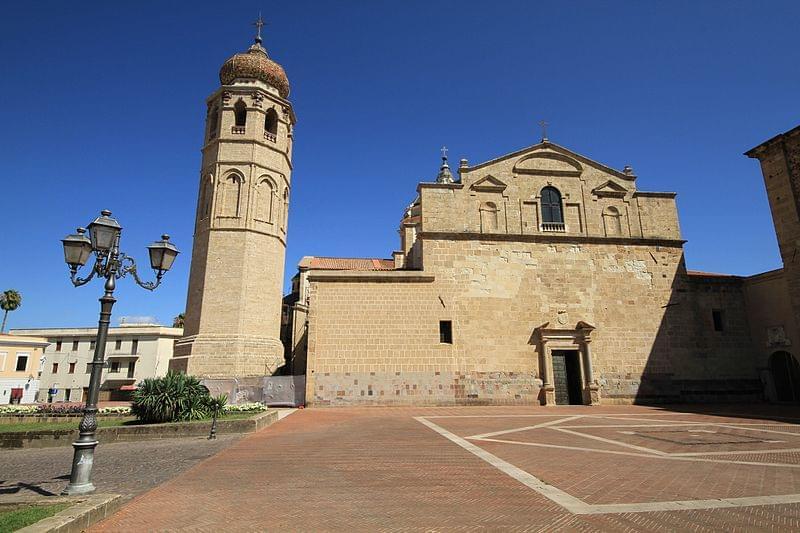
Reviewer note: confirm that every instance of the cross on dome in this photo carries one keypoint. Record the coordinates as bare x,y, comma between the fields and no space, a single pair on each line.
259,24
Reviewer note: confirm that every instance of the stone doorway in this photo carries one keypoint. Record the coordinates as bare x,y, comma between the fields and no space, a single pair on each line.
785,376
567,377
565,365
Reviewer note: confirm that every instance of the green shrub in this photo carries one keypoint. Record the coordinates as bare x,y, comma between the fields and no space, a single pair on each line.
216,404
172,398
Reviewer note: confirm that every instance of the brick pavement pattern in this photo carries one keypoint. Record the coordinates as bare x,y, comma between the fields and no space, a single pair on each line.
126,468
436,469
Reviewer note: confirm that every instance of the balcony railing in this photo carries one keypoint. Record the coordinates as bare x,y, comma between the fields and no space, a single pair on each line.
270,136
553,227
123,355
237,130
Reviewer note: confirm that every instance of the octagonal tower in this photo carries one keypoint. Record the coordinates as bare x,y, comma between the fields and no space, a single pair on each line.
233,308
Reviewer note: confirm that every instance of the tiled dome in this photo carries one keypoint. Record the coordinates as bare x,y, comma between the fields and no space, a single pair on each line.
255,64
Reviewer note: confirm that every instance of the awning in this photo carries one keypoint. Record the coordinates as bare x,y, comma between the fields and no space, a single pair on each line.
128,387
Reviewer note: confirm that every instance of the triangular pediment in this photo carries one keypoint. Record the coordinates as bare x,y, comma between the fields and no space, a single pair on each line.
610,189
489,184
548,158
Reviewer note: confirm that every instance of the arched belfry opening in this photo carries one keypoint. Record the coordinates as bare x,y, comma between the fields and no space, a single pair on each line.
786,376
271,125
240,114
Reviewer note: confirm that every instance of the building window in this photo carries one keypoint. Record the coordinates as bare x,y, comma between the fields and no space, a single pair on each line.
719,319
71,369
446,332
271,125
88,368
285,208
213,122
91,345
488,217
67,394
74,346
114,367
58,345
131,368
3,356
54,369
135,346
240,114
22,363
118,344
229,195
612,221
551,206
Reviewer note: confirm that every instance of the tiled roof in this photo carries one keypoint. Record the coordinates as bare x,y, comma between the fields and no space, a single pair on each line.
346,263
709,274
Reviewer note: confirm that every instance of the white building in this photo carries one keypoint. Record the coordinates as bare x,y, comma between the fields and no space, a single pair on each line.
19,368
133,352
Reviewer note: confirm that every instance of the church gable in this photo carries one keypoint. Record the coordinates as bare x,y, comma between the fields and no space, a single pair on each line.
546,159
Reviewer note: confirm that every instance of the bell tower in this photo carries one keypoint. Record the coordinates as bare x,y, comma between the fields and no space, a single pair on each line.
233,308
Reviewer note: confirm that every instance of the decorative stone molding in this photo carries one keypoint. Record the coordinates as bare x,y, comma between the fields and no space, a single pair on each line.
579,337
610,189
489,184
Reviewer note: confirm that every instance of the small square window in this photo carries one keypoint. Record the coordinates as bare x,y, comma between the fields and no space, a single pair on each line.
71,368
719,319
58,345
91,345
55,368
75,346
114,367
22,363
446,332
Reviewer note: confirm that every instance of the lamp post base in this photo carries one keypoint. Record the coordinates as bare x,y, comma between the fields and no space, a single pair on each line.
73,490
82,460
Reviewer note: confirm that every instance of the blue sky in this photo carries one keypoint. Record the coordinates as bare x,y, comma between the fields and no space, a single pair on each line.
103,107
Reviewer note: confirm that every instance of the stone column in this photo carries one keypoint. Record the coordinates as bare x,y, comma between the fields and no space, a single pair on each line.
547,374
591,392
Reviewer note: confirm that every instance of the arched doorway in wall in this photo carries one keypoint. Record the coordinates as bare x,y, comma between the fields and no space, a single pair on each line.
786,376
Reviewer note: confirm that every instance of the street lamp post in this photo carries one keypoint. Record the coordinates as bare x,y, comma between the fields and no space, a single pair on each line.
111,264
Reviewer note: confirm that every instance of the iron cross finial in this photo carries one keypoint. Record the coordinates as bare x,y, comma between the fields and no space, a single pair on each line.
259,24
544,124
444,152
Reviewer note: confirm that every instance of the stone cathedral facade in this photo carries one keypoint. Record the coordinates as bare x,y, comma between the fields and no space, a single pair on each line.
539,277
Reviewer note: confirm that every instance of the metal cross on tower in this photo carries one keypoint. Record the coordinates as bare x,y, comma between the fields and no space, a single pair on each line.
259,24
544,124
444,152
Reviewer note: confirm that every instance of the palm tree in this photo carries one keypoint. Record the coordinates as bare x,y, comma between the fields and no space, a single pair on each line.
177,322
10,300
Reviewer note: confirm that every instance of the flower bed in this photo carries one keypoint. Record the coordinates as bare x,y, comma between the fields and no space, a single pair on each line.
77,410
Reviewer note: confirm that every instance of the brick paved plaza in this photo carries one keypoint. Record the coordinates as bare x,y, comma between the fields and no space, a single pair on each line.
126,468
431,469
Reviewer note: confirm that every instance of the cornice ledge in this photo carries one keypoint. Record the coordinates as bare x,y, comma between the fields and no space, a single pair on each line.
384,276
551,238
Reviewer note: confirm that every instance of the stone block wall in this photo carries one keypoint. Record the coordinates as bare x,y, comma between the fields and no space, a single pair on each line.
375,339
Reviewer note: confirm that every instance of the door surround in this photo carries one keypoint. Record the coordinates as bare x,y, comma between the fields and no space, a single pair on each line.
578,338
